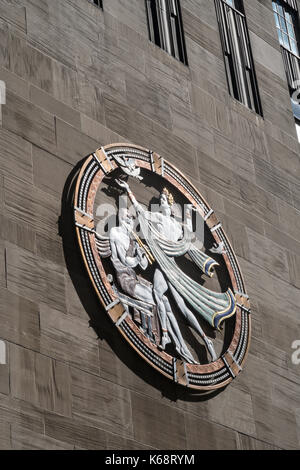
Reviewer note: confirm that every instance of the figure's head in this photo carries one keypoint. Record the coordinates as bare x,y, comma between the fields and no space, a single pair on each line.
126,218
166,202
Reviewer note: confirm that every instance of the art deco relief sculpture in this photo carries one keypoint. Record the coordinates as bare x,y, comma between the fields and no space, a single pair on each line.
167,239
144,283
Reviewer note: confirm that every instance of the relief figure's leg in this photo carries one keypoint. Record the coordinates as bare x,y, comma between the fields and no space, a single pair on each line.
159,288
176,333
192,321
168,320
142,292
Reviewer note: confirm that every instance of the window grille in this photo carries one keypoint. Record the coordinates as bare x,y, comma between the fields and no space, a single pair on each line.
165,27
237,53
288,30
287,26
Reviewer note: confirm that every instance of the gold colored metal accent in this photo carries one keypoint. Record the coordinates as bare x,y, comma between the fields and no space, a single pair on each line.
116,312
243,301
148,253
181,373
212,266
158,164
212,221
84,219
223,311
102,157
235,368
169,196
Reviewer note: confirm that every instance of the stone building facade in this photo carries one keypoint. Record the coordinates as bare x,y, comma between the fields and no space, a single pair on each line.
78,77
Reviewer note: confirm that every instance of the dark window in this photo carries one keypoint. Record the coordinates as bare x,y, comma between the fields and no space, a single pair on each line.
288,30
165,27
98,3
286,24
237,4
237,53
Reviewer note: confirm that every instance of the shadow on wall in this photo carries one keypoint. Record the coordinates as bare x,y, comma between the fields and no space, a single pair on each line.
99,319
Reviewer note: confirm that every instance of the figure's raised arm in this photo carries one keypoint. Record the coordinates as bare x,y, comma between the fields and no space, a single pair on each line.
132,198
153,216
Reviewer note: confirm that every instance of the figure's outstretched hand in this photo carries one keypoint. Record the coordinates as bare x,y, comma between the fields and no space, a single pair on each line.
123,184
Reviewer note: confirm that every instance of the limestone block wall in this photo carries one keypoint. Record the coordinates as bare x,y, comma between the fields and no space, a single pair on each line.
77,78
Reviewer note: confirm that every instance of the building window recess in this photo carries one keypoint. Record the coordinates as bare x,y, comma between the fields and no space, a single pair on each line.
239,64
98,3
298,129
165,27
288,30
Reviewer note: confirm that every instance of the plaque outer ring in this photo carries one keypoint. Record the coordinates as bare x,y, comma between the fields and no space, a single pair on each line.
204,377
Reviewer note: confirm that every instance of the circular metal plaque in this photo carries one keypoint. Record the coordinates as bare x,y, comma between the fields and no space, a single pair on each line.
156,287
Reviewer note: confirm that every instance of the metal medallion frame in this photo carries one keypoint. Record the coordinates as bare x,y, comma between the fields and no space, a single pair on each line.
203,377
